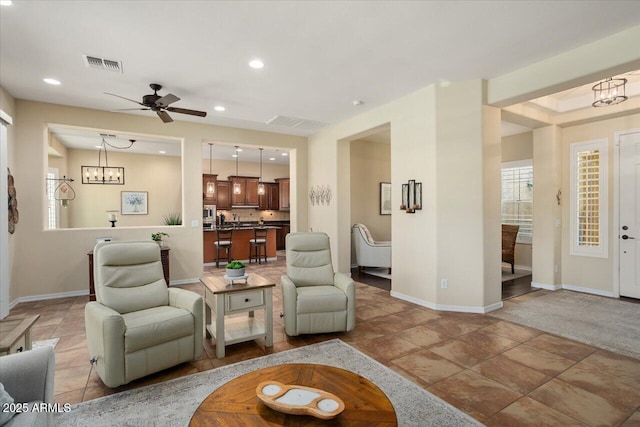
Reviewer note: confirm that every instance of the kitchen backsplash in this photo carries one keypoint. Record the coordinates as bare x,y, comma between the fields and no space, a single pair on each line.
246,215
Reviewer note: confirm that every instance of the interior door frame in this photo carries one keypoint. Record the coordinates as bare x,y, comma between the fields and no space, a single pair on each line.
5,256
617,136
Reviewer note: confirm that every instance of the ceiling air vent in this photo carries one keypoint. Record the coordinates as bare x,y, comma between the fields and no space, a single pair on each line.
102,64
294,122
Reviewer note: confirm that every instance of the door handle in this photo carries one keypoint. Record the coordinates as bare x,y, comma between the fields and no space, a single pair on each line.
625,237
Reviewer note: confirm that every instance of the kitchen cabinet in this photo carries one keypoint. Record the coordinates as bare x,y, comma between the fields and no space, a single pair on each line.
281,234
223,195
248,191
284,193
270,200
209,198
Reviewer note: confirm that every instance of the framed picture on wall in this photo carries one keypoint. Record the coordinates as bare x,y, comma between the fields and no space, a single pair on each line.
134,203
385,198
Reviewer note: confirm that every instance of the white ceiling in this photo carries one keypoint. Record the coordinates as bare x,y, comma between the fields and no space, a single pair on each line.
319,55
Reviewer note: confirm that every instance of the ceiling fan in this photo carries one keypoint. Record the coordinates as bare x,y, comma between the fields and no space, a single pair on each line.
160,104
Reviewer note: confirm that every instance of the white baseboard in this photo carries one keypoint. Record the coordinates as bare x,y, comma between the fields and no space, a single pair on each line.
443,307
589,291
48,296
518,267
545,286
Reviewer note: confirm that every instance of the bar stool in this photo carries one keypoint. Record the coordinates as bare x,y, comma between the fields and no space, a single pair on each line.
259,241
223,242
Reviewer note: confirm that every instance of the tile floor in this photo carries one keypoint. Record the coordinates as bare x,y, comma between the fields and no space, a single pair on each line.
500,373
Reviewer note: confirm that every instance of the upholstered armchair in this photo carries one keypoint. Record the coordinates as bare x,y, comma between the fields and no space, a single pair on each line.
370,253
509,236
138,326
315,299
27,377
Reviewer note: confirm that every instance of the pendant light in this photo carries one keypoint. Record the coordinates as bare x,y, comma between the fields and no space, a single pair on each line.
260,183
211,185
237,188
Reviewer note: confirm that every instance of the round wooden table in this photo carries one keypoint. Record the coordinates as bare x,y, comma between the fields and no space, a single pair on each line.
236,403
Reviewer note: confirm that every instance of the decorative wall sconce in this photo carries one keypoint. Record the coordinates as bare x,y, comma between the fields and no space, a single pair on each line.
411,196
63,192
320,195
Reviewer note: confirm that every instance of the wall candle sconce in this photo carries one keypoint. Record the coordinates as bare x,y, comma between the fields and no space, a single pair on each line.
411,196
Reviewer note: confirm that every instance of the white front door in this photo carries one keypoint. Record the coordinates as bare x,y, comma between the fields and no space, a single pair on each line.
629,232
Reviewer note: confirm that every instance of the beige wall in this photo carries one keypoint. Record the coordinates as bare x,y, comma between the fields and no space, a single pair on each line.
589,272
370,165
62,253
519,147
159,176
226,168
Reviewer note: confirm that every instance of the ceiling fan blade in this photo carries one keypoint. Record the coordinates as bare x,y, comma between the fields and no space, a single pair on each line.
113,94
166,100
186,111
131,109
164,116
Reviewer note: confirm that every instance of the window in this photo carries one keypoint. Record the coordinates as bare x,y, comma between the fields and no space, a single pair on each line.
517,197
53,221
589,198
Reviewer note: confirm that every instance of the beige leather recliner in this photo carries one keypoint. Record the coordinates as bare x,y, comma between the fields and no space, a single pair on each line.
314,298
138,326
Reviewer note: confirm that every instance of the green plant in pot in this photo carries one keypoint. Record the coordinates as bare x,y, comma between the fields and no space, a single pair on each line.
157,237
235,269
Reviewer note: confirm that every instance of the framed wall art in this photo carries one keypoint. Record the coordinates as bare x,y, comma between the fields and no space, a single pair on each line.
385,198
134,203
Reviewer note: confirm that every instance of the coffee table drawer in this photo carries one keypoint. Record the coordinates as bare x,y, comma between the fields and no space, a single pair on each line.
245,300
18,346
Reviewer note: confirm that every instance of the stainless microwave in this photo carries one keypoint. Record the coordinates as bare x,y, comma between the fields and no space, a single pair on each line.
209,212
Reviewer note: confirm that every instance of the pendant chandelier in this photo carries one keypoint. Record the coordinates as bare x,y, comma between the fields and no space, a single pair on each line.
237,188
260,183
105,174
211,186
609,92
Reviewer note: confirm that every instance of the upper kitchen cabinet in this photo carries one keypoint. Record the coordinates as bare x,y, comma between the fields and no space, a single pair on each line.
223,195
270,200
284,193
209,197
248,195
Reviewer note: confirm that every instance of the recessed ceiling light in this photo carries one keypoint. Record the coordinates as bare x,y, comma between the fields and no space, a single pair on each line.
234,155
219,108
285,154
256,63
357,102
163,152
272,158
238,149
6,2
51,81
98,146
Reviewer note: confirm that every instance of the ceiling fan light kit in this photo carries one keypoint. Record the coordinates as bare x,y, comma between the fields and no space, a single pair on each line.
160,104
609,92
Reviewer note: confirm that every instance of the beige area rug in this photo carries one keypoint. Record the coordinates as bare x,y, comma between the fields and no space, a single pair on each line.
602,322
378,272
172,403
506,274
43,343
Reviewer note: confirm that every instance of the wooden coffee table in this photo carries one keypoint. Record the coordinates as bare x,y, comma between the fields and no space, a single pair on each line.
236,403
15,334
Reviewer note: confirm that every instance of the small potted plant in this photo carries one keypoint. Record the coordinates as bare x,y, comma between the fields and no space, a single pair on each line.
235,269
157,237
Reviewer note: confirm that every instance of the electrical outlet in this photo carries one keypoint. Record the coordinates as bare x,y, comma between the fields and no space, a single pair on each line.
444,283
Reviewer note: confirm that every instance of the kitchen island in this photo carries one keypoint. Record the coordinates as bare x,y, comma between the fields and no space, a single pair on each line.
239,244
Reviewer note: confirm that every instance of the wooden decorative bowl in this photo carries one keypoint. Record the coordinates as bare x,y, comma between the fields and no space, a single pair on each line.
299,400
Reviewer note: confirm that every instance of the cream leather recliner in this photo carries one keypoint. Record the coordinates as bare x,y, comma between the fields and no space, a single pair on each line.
369,252
315,299
138,326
